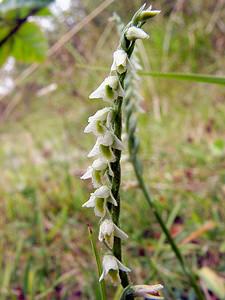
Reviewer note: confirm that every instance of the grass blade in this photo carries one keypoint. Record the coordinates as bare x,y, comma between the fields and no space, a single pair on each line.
97,258
212,79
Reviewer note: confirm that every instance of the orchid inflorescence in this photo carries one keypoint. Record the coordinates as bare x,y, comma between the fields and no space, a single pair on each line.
104,172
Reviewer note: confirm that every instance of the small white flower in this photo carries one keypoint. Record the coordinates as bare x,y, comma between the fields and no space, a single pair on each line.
105,152
104,145
134,33
95,175
148,13
148,291
99,122
119,61
98,200
97,171
107,232
110,139
111,267
99,164
109,90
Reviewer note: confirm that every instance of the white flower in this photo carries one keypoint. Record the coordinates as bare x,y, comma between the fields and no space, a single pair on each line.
119,61
107,232
148,13
105,152
111,267
99,164
134,33
110,89
97,171
148,291
104,145
99,200
99,122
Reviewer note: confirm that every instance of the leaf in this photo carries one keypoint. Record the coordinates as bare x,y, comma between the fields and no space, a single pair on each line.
29,44
97,258
213,282
14,9
4,52
213,79
44,12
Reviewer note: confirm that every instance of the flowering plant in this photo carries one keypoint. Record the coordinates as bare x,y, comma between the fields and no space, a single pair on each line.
106,125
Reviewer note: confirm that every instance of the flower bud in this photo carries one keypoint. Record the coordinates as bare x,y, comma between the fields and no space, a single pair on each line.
134,33
119,61
111,267
148,13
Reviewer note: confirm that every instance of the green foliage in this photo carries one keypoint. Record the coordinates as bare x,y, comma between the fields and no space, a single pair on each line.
11,10
212,79
183,159
22,39
29,44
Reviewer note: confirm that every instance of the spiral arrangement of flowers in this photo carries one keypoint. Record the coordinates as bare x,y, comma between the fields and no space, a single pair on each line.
106,125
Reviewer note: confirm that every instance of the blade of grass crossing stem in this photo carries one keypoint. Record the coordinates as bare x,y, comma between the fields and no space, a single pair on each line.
201,78
212,79
98,262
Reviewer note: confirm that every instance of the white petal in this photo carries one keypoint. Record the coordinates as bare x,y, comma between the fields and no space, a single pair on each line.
90,202
100,115
107,139
149,13
110,170
112,81
99,92
149,288
109,119
94,151
103,275
106,228
122,267
99,164
109,263
87,174
102,192
89,128
120,233
134,33
117,144
119,61
112,199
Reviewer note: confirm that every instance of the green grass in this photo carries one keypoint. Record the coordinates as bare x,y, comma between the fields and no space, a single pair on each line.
45,252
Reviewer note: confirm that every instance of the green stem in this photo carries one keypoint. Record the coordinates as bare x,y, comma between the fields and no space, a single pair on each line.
186,270
117,251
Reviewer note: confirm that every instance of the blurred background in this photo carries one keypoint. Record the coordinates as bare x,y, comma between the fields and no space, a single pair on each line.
45,252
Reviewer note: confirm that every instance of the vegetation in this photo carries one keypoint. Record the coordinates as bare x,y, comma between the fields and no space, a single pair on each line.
45,248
